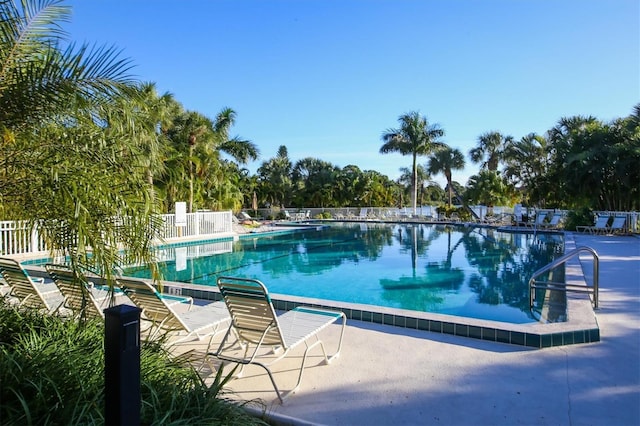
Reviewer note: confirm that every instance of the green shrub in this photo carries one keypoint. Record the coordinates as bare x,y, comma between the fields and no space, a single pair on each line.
580,217
52,372
462,212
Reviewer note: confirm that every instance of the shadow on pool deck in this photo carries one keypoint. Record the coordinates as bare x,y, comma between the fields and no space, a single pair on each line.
389,375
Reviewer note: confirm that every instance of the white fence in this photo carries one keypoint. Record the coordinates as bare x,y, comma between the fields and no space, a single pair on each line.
197,224
16,238
430,213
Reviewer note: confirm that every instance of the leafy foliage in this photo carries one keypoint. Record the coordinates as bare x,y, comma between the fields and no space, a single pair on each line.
414,137
488,188
52,372
580,217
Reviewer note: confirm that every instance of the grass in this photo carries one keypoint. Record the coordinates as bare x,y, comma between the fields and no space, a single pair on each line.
52,372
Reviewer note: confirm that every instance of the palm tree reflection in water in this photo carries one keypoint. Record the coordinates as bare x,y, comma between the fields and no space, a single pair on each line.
458,270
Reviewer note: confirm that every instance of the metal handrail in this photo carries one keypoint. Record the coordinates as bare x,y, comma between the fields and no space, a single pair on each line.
563,286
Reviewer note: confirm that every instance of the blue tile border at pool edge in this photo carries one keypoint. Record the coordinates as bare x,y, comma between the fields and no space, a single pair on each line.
530,339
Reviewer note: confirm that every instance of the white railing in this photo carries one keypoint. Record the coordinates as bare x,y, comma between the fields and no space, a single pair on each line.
17,238
197,224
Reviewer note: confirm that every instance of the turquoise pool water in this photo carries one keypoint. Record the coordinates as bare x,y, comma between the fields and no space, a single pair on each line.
456,270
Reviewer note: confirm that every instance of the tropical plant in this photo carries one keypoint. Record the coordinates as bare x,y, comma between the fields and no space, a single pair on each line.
579,217
314,181
68,164
414,137
53,372
275,178
350,184
197,143
153,118
444,161
595,164
489,188
40,80
490,150
406,180
527,162
241,150
378,190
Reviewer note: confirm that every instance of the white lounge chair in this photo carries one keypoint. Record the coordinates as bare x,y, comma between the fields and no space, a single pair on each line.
539,220
255,327
81,296
29,292
553,223
599,227
618,225
162,316
78,297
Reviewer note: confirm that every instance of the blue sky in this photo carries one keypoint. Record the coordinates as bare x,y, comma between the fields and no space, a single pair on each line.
327,78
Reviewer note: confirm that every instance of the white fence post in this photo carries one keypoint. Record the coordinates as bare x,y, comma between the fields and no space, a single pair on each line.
35,246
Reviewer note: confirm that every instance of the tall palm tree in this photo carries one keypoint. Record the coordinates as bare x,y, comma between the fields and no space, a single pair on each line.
414,137
444,161
197,126
491,146
197,143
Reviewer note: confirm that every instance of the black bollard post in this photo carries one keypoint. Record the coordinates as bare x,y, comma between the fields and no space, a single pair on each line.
122,365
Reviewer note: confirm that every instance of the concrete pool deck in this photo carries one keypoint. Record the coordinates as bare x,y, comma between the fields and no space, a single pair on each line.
389,375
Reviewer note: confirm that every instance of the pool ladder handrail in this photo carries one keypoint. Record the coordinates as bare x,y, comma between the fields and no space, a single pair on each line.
533,284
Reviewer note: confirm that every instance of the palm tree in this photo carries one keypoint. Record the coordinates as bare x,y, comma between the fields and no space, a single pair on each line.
422,176
315,182
349,184
526,163
488,188
414,137
196,126
241,150
491,146
68,164
444,161
197,142
146,114
275,176
39,80
595,164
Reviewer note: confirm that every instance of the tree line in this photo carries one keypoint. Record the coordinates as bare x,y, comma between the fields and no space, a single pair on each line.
582,162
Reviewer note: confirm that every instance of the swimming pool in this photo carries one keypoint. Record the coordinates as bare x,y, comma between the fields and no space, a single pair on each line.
457,270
